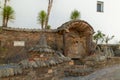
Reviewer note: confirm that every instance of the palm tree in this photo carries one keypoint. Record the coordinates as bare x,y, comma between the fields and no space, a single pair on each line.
98,36
42,18
0,4
75,15
5,4
50,2
8,14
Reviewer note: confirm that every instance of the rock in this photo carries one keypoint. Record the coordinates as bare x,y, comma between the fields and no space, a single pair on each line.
24,63
8,72
4,73
55,78
19,70
15,71
52,62
47,63
32,64
38,63
102,58
42,63
11,71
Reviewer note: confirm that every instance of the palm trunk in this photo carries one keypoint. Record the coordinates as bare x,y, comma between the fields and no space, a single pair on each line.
42,24
6,23
48,12
6,20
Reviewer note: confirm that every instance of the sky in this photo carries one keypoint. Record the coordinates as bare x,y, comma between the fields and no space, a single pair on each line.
26,12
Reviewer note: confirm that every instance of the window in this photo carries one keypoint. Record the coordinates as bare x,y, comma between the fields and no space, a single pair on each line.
100,6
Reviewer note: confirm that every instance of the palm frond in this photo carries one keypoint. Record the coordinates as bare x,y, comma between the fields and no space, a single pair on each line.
75,15
42,17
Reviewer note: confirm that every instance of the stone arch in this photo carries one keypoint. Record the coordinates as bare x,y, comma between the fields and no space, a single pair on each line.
80,31
78,25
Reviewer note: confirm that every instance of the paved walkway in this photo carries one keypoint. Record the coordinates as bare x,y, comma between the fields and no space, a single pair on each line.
110,73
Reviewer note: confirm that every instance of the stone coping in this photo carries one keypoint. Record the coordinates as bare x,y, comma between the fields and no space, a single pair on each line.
28,30
62,27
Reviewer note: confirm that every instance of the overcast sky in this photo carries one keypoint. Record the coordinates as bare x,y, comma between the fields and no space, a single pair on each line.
26,12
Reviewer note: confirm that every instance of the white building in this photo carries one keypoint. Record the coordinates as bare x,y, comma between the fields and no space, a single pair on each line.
106,20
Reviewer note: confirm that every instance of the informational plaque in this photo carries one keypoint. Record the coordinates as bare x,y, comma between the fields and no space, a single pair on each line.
19,43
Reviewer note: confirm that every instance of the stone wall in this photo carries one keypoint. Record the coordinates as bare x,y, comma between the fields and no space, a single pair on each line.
73,39
55,72
30,38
